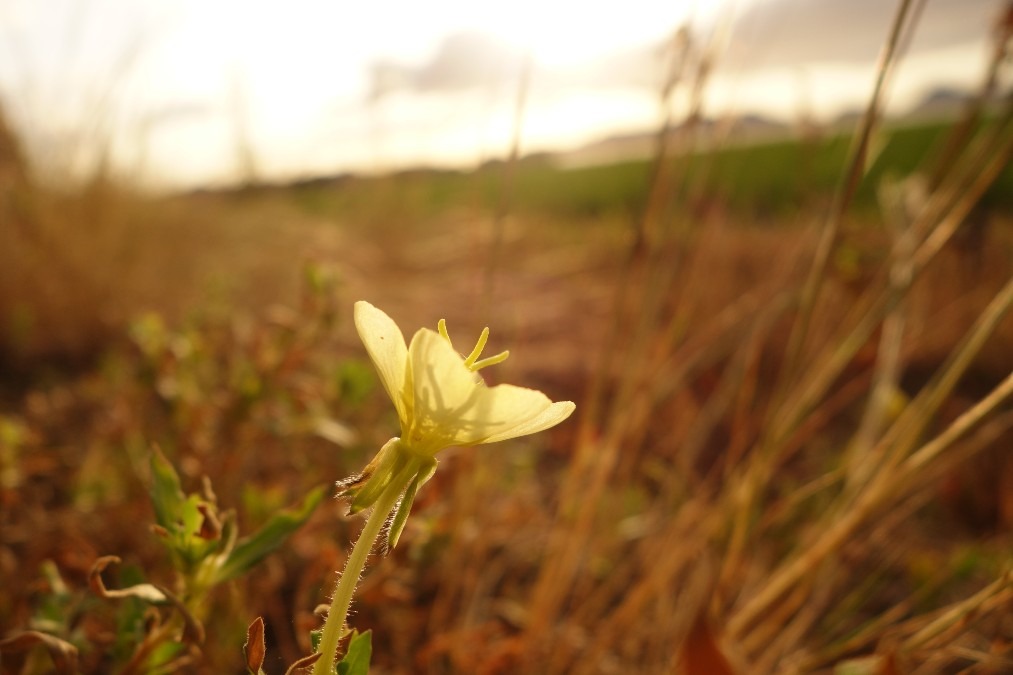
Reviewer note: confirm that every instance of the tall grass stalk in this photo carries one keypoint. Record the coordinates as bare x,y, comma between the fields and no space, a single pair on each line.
854,168
759,470
883,489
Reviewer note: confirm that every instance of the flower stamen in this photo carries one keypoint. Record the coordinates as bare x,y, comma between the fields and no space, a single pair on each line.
477,351
472,362
491,361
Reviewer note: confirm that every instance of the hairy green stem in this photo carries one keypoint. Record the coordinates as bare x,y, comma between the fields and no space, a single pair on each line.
349,579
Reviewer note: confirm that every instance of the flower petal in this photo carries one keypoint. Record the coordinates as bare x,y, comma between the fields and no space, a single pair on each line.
452,406
549,417
386,347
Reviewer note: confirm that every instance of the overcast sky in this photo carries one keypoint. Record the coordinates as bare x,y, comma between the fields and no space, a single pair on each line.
188,92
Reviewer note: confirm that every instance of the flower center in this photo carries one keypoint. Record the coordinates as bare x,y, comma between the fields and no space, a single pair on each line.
472,360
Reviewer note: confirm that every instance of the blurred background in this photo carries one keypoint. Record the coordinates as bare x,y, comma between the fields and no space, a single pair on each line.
185,95
764,245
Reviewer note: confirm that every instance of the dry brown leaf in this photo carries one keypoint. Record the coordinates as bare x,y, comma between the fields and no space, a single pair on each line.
304,662
255,648
889,666
701,654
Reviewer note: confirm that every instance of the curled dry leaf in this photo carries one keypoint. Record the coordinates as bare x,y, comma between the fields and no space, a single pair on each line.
63,653
156,595
146,592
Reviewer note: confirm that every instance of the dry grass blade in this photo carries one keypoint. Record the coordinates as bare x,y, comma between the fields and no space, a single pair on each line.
854,167
643,271
996,595
888,355
884,488
912,423
995,154
920,459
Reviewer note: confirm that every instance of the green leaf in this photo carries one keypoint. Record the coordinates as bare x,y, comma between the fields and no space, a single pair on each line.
166,493
252,549
360,651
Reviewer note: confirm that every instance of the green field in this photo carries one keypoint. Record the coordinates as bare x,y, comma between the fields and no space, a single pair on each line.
770,180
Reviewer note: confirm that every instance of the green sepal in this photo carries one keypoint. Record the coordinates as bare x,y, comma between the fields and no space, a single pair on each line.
366,488
404,507
360,651
250,550
316,635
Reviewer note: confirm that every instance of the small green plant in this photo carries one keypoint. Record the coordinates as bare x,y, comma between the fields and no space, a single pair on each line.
159,629
206,551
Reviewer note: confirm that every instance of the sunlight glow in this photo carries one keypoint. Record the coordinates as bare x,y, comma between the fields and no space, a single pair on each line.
566,33
176,88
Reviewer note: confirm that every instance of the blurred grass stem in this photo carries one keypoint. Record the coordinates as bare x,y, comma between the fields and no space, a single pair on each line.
758,472
508,186
845,191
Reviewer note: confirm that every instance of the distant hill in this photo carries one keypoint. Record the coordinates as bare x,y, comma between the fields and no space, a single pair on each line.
939,104
634,146
943,103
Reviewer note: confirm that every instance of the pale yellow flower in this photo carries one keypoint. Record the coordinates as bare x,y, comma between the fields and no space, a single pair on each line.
441,401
